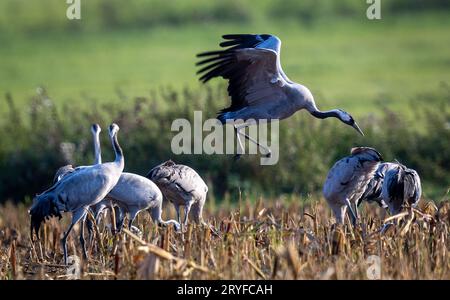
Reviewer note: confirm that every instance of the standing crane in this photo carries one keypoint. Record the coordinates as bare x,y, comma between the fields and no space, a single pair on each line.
132,194
67,169
347,181
77,191
257,85
182,186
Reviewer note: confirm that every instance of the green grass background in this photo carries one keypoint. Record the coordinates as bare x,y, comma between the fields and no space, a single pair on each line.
352,63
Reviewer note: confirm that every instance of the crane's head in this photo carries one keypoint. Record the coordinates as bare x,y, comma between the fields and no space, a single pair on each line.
113,129
95,128
346,118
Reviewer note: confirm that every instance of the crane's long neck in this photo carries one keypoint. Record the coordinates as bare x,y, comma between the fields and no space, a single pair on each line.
97,150
118,151
323,114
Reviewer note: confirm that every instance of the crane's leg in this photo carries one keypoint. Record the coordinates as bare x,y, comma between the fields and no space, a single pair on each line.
353,216
132,215
242,126
241,147
197,216
187,209
90,226
120,218
76,216
82,241
177,208
196,211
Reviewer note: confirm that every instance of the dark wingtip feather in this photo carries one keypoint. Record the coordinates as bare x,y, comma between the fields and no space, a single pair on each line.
236,36
230,43
209,53
221,117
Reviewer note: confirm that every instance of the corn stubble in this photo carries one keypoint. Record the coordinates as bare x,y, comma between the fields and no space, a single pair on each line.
269,239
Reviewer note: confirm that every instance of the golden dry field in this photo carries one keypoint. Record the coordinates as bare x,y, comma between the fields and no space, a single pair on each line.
266,239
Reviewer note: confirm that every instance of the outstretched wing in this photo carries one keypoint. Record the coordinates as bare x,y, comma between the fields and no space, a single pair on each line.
251,64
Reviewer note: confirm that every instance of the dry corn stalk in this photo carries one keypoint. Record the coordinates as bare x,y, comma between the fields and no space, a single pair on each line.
161,253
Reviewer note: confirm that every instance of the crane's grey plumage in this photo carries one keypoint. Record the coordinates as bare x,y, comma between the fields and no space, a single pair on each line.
182,186
64,170
78,190
257,85
402,186
374,187
347,180
132,194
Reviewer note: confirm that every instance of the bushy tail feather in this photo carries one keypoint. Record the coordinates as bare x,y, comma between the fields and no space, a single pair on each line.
44,208
396,186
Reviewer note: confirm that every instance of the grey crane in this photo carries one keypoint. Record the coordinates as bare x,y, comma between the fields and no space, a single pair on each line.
257,85
182,186
67,169
76,191
402,186
347,181
132,194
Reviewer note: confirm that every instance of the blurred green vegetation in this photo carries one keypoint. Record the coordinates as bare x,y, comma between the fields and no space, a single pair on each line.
45,16
345,59
132,62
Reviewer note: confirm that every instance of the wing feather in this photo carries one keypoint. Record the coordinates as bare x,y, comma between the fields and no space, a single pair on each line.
252,67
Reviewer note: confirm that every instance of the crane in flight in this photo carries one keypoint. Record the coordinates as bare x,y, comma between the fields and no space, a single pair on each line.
257,85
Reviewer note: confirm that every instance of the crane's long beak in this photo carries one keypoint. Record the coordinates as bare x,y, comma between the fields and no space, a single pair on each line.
357,128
